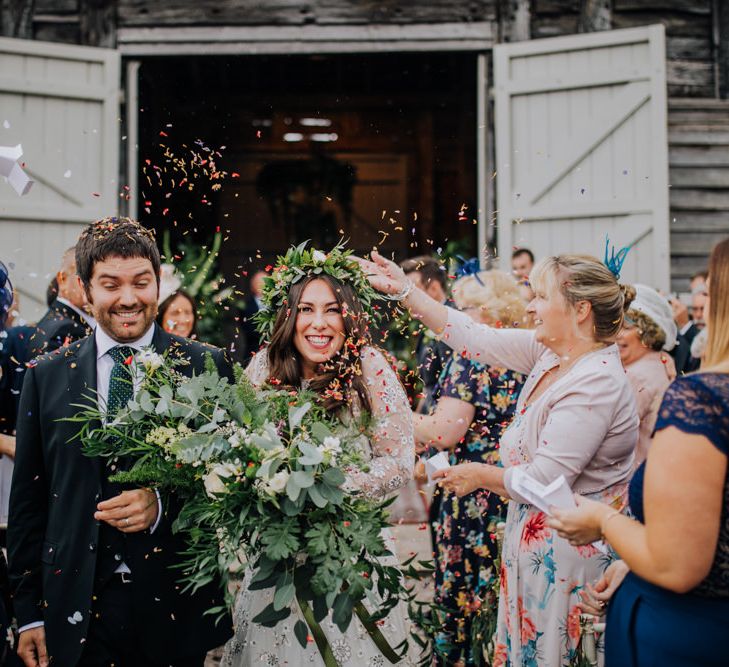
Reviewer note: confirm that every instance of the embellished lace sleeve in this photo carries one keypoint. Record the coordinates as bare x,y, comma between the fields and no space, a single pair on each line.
393,437
257,369
697,404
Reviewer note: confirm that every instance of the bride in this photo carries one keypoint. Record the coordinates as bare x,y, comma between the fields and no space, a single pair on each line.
318,338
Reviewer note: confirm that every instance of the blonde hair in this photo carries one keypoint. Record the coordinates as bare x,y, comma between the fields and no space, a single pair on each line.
717,345
497,293
585,278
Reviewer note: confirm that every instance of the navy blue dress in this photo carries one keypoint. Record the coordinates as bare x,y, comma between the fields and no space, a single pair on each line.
649,626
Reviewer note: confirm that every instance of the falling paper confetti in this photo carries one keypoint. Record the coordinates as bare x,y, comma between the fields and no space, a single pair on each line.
11,169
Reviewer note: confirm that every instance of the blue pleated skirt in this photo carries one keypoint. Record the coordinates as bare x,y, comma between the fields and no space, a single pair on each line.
649,626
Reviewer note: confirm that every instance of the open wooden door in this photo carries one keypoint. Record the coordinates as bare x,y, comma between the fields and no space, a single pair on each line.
62,104
581,148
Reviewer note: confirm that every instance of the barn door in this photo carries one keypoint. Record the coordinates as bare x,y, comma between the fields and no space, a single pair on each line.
62,104
581,148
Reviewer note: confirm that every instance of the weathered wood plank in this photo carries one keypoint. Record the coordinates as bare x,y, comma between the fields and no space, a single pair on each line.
698,156
56,6
692,243
700,221
595,15
689,73
699,177
706,138
688,6
294,12
722,24
688,48
699,200
685,266
679,25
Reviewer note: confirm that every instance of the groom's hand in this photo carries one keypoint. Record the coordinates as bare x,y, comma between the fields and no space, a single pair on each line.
32,647
130,511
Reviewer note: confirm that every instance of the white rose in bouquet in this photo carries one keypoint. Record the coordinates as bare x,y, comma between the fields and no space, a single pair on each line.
276,484
150,360
213,479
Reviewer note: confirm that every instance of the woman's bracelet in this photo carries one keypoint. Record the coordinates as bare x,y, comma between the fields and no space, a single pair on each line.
604,522
404,293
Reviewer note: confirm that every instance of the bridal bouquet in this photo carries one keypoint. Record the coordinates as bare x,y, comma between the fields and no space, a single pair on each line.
261,475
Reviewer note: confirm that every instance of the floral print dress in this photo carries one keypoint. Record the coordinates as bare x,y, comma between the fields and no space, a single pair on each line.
465,540
542,576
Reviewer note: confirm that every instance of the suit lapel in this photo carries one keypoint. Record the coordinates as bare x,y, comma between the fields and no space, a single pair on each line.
81,365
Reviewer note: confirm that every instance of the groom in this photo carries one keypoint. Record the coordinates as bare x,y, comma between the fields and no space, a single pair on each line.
89,562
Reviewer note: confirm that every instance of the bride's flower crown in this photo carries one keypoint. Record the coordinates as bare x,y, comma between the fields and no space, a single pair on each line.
300,262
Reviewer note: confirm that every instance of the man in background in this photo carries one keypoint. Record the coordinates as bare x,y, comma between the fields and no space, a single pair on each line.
432,355
522,263
251,338
66,320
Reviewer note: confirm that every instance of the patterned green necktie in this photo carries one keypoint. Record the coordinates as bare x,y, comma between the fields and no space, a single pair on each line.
121,387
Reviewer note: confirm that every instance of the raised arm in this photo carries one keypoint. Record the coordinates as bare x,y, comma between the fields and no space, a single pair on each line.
511,348
393,440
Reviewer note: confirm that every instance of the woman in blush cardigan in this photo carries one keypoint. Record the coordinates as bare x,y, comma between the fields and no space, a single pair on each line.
672,608
576,417
649,329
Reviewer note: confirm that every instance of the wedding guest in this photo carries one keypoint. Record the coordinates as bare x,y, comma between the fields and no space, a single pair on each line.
251,342
575,417
687,331
67,319
647,332
7,449
91,565
522,263
672,608
432,355
177,314
476,403
698,280
51,291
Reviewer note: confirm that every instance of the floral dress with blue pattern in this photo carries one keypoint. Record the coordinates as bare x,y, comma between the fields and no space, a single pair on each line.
465,530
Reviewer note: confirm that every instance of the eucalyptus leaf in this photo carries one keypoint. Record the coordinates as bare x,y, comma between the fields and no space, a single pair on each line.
296,414
316,497
303,478
301,631
283,597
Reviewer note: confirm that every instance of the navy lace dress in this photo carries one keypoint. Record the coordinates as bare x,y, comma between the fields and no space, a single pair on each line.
650,626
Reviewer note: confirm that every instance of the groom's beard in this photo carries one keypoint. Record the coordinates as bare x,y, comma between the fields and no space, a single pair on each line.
125,323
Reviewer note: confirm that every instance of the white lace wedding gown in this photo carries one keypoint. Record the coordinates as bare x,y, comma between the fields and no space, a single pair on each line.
391,466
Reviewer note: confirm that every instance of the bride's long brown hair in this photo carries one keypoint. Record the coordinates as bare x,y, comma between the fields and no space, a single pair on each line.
338,380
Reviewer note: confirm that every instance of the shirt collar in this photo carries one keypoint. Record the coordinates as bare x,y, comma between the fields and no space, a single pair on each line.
83,315
104,342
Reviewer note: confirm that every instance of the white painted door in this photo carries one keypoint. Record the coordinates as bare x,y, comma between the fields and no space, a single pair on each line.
581,148
62,104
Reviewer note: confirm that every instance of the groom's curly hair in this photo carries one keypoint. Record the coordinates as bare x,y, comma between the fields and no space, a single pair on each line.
338,381
109,237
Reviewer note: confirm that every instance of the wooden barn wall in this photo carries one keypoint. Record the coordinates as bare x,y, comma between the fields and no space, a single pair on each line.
689,23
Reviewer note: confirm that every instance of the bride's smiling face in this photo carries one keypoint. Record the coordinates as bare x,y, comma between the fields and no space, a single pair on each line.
319,327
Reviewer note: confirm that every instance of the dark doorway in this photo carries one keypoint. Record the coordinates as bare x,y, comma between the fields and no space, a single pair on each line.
379,149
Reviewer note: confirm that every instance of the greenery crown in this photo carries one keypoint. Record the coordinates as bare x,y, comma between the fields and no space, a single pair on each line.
300,262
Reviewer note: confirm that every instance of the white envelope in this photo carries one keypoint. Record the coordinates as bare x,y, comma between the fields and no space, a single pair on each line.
556,494
437,462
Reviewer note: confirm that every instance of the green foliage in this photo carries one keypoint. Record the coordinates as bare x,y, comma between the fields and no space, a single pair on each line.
261,474
197,266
